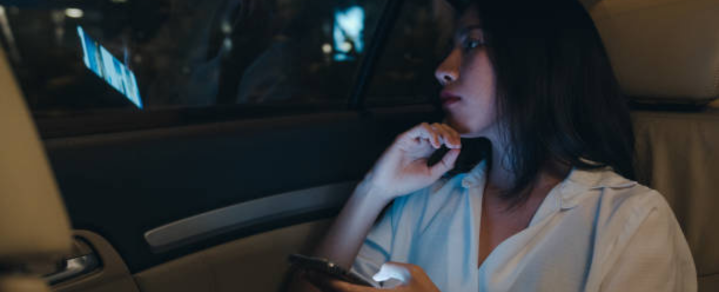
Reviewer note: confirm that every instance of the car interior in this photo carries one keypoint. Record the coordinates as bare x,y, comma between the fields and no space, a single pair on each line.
214,199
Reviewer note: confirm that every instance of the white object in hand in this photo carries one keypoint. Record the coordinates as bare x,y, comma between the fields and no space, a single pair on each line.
390,271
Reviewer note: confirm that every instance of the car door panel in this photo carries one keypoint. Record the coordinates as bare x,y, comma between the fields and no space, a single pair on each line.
247,214
255,263
109,275
123,185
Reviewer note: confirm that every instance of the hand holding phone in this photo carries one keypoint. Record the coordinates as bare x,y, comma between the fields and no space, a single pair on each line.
327,268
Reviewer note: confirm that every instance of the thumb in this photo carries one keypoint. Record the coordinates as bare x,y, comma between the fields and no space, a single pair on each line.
446,164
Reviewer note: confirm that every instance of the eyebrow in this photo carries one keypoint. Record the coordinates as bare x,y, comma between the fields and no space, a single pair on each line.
467,29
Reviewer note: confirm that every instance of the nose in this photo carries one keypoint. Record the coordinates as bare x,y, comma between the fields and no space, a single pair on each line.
448,71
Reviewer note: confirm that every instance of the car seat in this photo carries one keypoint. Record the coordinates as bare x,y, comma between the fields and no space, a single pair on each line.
665,54
34,227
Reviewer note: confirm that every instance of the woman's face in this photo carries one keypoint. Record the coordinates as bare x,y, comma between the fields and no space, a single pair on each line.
468,97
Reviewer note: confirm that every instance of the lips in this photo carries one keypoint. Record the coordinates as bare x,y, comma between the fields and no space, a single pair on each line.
448,98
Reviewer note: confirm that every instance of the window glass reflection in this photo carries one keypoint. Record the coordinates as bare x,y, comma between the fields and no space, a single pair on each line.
416,46
107,67
185,53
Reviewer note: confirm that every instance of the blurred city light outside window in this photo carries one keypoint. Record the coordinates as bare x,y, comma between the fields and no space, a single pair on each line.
416,46
185,53
347,33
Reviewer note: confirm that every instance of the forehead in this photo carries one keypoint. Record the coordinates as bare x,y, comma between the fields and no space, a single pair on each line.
468,21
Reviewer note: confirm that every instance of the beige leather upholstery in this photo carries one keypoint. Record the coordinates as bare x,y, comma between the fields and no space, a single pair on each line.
662,50
33,223
678,154
22,283
256,263
668,51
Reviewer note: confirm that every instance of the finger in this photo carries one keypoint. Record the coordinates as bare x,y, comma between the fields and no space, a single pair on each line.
425,131
442,133
322,282
315,280
431,134
342,286
417,133
446,164
448,135
455,135
328,284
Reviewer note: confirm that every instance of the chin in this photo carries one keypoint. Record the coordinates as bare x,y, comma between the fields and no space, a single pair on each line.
466,130
457,125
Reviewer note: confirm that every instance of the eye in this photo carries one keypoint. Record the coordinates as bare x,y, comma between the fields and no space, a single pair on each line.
471,43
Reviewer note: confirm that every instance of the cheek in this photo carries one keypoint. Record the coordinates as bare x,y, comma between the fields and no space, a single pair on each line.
475,115
479,78
479,110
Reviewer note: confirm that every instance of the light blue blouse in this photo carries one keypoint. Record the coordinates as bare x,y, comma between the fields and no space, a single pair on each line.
595,231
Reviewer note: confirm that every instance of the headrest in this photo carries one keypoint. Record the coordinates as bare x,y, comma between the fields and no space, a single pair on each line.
33,222
662,50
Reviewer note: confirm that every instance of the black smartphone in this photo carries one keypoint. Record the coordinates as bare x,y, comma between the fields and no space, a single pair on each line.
328,268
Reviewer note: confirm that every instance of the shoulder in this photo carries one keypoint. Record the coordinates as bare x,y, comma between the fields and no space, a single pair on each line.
629,210
629,213
615,193
621,206
628,196
637,235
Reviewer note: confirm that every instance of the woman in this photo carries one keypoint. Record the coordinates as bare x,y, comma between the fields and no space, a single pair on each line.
554,212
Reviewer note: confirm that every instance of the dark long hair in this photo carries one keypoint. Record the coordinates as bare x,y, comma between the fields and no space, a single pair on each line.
557,96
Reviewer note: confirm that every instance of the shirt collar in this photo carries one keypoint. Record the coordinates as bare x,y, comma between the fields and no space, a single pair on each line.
569,192
580,181
573,189
475,177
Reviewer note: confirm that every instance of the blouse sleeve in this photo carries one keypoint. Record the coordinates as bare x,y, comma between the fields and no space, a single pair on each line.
656,256
377,247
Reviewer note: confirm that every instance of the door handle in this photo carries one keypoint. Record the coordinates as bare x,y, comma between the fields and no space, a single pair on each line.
73,268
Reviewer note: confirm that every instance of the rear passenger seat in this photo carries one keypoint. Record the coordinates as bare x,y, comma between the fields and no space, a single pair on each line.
666,52
678,156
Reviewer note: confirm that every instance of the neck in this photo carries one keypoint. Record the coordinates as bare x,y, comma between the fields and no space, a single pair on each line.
500,176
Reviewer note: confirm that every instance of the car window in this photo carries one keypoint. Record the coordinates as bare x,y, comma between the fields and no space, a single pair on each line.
417,44
91,56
